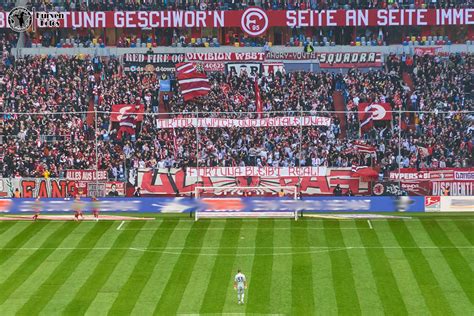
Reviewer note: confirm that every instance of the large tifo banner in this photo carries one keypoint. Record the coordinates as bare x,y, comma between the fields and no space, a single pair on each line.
264,122
186,205
311,181
254,21
459,181
83,182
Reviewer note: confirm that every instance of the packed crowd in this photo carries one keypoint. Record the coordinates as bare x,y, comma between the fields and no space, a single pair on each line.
130,5
46,127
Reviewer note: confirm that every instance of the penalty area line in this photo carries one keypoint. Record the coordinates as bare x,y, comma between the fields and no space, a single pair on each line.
121,224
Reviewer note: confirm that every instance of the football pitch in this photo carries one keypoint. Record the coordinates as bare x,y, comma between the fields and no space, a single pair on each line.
173,265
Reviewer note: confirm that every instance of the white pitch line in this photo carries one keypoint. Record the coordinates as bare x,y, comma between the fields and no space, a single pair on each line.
370,224
312,250
245,228
121,224
238,247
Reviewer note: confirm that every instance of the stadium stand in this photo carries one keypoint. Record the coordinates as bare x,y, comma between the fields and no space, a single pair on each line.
435,129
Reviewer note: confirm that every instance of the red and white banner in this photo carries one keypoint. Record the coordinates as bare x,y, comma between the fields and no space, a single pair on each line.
213,67
120,110
86,175
292,56
380,111
193,84
447,174
433,182
34,187
224,57
256,172
263,122
274,67
153,58
420,51
255,21
456,188
349,60
364,148
321,182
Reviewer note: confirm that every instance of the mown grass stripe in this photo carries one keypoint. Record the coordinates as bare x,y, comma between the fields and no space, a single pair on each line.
194,293
43,272
259,294
177,283
414,300
5,226
363,279
456,261
32,263
107,294
45,292
466,228
323,290
243,261
431,290
281,299
19,240
342,272
129,293
102,271
161,273
387,287
301,270
222,272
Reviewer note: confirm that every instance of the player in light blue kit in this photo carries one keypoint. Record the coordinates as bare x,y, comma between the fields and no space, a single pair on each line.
240,284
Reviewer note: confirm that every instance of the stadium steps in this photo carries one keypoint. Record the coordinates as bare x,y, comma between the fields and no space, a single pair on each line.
340,106
90,115
162,108
408,80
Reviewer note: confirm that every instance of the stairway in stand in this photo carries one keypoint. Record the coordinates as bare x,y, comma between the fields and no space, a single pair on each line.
340,106
408,80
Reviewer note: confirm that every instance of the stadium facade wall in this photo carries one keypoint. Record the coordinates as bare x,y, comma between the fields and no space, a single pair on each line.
116,51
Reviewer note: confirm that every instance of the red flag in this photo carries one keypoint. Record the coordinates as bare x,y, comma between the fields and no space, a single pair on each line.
127,125
364,148
120,110
258,99
185,68
380,111
366,123
193,85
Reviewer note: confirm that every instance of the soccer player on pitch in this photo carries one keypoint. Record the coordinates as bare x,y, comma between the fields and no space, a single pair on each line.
77,208
37,208
240,284
95,208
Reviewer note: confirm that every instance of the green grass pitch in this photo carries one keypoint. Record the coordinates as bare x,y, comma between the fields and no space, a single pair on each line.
174,266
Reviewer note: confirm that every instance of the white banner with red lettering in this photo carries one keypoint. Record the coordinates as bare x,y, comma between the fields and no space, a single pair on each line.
256,172
86,175
264,122
224,57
